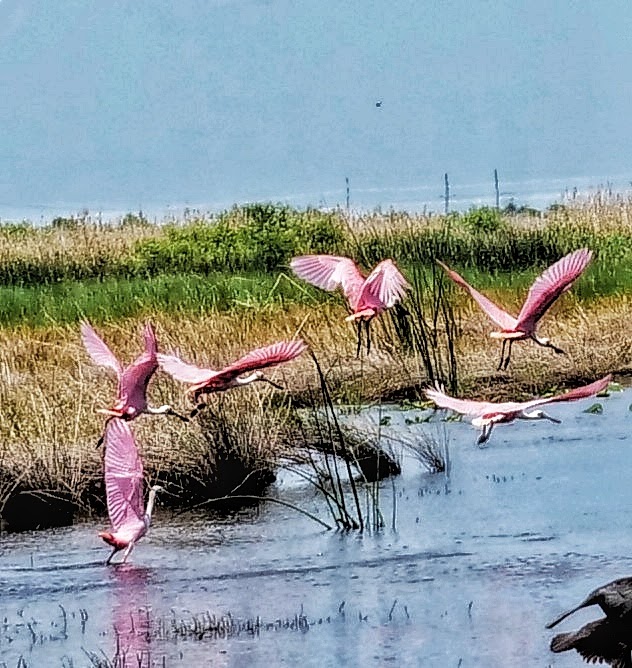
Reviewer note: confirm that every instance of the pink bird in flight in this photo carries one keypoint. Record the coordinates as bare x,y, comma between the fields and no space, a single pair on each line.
132,380
486,414
547,287
124,490
368,296
205,381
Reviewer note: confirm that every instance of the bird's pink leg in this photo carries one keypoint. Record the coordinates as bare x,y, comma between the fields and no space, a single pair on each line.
128,549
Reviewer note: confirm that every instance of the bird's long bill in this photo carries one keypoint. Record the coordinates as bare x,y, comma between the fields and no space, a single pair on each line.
551,418
564,615
184,418
278,387
109,411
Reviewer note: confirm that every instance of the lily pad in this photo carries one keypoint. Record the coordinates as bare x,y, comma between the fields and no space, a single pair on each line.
595,409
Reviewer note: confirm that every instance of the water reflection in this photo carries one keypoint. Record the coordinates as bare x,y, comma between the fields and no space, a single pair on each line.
131,616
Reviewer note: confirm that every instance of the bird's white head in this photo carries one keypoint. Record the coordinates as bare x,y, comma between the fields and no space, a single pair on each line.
157,488
539,414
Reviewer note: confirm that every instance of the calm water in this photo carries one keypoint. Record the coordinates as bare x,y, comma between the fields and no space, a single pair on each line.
479,562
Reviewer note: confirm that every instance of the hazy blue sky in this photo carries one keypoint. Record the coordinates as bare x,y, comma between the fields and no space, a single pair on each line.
130,102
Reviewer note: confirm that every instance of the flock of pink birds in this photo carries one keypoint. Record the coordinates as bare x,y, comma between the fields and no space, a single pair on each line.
367,297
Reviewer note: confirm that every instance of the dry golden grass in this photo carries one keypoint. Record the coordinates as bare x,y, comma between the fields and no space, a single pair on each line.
85,244
49,388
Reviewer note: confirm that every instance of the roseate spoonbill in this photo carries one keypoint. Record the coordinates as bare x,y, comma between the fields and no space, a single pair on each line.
608,639
547,287
367,296
132,380
124,490
486,414
206,381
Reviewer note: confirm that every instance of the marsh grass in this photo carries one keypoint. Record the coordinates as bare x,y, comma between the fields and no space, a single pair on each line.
49,388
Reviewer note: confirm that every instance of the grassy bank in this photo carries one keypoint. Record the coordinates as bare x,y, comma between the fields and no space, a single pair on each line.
216,288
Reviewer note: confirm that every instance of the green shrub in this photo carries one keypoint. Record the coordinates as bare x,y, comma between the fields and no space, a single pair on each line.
482,219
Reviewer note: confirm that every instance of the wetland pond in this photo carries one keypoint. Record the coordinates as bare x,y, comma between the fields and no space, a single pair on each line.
478,563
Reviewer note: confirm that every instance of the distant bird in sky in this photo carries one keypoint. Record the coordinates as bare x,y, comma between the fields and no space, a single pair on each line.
486,414
124,490
367,296
552,283
608,639
132,380
205,381
378,103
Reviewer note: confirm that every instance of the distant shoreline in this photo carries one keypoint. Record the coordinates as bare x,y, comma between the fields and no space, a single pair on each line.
535,193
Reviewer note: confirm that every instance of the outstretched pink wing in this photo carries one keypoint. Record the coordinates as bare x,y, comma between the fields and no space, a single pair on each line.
383,287
330,271
495,313
462,406
151,346
553,282
261,358
123,475
184,372
573,395
98,350
137,375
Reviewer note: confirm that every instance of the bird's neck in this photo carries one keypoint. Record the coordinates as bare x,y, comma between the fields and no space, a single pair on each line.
248,379
150,507
531,416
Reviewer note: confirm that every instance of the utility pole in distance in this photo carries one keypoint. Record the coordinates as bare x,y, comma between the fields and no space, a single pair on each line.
497,189
446,196
348,197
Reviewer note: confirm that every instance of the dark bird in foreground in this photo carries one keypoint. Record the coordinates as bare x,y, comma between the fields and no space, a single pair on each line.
614,598
607,640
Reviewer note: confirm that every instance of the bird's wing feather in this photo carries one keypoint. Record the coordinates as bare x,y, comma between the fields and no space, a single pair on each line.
98,350
137,375
384,284
151,346
330,271
553,282
123,475
582,392
261,358
604,639
463,406
183,371
495,313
